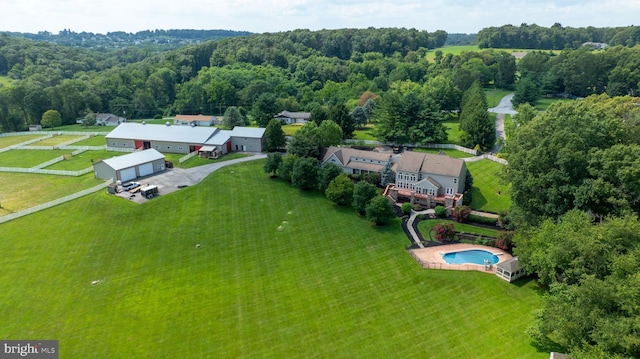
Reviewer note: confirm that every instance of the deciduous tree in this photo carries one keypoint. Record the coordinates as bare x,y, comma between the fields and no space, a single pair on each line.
274,136
340,190
380,210
51,118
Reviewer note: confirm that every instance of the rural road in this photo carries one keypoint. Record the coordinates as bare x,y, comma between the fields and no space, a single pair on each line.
503,108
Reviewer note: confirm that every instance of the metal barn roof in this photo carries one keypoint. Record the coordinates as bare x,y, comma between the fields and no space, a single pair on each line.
133,159
179,134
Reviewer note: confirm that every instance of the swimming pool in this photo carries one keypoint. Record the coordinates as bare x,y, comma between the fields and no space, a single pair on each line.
474,256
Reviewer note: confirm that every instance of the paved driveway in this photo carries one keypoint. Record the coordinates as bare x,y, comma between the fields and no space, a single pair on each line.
173,178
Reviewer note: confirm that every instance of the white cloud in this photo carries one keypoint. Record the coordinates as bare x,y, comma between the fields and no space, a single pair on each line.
281,15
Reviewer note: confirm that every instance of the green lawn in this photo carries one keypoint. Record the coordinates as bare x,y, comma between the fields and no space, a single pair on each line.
280,274
55,140
14,140
92,141
24,190
290,130
426,226
488,192
453,131
365,133
450,153
81,128
199,161
83,160
29,158
543,104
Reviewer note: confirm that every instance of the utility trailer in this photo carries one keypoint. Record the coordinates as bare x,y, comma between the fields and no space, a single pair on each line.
149,191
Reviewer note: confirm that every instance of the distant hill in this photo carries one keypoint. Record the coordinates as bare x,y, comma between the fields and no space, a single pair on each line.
152,39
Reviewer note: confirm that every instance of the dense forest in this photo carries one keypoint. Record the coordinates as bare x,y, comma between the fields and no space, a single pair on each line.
574,169
158,40
555,37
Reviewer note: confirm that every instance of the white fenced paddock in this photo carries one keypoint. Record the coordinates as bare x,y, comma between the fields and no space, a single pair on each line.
40,207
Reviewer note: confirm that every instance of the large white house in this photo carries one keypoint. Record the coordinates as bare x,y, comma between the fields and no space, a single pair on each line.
429,179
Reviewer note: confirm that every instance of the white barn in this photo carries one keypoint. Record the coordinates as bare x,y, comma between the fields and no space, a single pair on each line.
130,166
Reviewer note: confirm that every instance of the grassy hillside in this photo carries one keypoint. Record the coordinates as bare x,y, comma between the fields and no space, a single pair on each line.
280,273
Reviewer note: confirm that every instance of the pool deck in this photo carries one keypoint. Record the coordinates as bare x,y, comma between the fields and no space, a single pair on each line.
431,257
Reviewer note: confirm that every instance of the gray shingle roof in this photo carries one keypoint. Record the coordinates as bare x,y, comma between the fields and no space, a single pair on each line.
510,265
429,163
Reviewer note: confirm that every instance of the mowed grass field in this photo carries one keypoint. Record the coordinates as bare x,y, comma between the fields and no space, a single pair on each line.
280,274
489,193
24,190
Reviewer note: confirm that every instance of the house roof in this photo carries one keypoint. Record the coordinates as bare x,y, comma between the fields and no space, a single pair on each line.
251,132
133,159
510,265
106,117
194,118
429,163
344,154
181,134
300,115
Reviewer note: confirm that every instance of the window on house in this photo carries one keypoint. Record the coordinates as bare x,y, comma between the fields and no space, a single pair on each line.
449,191
455,181
113,143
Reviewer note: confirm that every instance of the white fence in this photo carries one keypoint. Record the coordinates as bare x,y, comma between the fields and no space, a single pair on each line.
184,158
47,172
49,163
486,157
56,202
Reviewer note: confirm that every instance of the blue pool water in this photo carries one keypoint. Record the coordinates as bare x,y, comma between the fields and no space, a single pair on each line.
474,256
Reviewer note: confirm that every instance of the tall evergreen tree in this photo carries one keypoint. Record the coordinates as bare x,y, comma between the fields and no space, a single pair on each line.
478,128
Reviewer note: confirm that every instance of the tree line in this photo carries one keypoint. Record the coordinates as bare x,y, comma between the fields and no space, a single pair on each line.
556,37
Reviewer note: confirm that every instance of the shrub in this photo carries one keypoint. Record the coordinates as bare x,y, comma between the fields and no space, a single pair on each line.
461,213
157,116
406,208
444,232
483,220
505,240
440,211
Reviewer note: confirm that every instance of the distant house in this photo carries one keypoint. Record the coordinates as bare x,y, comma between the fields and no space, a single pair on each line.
429,179
35,127
596,45
185,139
290,118
130,166
108,119
194,120
354,161
509,270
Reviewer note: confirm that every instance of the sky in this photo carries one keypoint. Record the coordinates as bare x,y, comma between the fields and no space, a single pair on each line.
453,16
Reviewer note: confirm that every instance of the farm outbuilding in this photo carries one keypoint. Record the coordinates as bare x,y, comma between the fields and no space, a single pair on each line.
185,139
130,166
247,139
